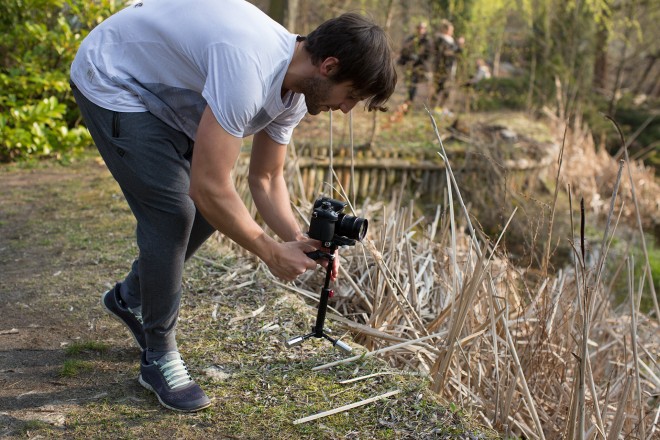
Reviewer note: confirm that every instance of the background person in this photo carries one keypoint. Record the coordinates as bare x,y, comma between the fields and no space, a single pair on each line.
481,73
168,89
445,52
415,53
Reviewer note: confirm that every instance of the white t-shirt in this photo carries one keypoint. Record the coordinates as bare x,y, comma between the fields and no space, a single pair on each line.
173,57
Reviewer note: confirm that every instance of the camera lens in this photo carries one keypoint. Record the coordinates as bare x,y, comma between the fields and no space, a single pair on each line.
354,228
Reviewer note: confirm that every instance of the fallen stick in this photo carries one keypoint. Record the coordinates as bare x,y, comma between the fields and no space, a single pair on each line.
12,331
345,407
252,314
368,376
382,350
236,286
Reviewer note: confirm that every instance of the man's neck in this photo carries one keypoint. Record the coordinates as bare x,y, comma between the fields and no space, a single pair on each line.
300,67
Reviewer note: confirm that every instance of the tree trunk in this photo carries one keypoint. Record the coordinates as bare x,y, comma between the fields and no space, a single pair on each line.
622,62
284,12
291,15
652,59
374,121
276,10
600,64
611,109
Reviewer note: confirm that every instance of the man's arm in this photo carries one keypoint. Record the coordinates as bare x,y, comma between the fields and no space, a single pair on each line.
270,193
269,189
213,191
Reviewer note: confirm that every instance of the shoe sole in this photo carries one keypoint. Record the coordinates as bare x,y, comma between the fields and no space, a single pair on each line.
117,318
149,387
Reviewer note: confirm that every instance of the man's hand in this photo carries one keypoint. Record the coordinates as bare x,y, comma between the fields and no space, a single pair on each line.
270,195
289,260
320,259
212,189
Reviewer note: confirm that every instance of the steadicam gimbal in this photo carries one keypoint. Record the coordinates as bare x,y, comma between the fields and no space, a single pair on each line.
334,229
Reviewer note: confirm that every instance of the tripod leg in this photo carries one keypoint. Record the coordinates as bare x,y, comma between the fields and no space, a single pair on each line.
318,329
337,343
297,340
344,346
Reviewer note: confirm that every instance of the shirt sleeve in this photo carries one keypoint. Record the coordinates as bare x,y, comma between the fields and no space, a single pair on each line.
281,129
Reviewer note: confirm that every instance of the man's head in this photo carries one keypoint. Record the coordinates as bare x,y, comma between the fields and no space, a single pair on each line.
363,57
421,28
446,27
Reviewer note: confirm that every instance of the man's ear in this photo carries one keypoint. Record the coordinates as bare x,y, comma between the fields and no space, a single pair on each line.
329,66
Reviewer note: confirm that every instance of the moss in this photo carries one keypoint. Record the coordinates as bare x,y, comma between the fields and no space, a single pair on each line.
73,367
80,347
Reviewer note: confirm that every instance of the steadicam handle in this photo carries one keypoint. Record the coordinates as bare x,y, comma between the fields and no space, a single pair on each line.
315,255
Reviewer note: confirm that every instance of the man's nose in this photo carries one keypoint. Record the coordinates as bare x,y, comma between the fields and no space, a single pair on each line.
347,105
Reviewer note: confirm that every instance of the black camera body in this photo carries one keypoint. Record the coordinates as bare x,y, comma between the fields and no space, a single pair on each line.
334,228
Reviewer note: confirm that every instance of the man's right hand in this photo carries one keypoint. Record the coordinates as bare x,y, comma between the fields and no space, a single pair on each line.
289,260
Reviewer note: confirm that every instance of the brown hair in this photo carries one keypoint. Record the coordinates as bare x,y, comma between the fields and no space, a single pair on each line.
445,25
364,54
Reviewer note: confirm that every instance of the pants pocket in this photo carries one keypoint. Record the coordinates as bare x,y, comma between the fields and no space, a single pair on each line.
115,125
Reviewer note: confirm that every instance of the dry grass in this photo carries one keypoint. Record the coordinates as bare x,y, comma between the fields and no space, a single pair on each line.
536,356
69,370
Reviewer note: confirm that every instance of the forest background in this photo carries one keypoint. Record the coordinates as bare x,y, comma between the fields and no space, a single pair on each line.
566,63
589,57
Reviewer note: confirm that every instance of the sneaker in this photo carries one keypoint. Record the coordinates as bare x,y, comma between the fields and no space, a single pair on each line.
131,318
169,380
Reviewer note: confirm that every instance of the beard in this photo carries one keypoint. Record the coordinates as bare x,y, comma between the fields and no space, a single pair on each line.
316,91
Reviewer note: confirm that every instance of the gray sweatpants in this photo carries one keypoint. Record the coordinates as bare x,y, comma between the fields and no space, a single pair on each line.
151,162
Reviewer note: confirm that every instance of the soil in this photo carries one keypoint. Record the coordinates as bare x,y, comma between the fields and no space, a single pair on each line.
49,292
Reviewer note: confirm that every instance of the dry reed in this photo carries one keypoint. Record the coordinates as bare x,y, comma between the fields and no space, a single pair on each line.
549,357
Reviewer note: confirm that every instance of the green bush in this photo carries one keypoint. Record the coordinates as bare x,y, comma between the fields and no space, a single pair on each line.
38,116
630,116
502,93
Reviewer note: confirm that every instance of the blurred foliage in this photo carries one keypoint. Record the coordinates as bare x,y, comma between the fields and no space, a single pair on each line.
638,121
632,249
501,94
574,57
631,115
38,116
546,51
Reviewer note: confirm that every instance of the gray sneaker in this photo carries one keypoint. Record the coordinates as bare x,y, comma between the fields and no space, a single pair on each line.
169,380
131,318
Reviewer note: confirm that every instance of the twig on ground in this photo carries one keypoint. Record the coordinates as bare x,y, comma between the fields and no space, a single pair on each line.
345,407
368,376
252,314
12,331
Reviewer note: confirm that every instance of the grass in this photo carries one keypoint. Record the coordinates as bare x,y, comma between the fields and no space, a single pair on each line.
31,426
71,221
74,367
510,344
629,247
88,346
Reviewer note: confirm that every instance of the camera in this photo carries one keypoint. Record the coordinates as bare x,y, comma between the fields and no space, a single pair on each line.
334,228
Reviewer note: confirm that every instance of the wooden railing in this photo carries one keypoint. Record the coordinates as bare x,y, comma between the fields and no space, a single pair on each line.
371,172
375,173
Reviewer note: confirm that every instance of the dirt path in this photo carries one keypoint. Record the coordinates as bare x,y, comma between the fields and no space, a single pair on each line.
49,284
